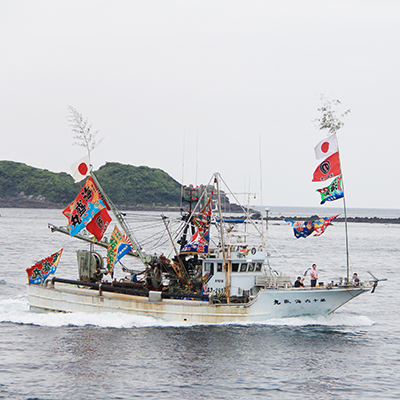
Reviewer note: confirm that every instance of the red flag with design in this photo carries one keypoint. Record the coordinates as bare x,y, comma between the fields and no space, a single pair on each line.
99,224
328,168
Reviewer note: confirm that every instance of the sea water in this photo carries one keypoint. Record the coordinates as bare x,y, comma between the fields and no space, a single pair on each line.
352,354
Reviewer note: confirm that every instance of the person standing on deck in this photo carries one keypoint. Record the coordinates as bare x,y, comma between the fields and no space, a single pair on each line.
314,275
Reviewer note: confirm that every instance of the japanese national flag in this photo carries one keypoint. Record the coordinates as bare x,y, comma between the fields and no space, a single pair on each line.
326,147
81,168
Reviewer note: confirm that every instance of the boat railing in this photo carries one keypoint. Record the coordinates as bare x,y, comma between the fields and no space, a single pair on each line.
270,281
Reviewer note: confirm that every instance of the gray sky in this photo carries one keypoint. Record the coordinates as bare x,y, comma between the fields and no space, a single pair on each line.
165,80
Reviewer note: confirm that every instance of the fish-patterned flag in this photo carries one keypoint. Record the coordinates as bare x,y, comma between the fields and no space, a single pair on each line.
38,273
301,228
306,228
333,191
86,205
118,246
321,224
198,243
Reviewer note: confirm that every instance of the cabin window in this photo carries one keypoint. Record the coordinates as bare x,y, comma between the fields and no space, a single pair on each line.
258,267
207,266
243,267
235,267
251,267
219,267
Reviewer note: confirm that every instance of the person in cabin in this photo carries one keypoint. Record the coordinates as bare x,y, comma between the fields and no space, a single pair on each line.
205,279
298,282
356,280
314,275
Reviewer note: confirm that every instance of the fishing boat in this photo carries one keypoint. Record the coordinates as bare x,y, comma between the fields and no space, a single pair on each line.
218,270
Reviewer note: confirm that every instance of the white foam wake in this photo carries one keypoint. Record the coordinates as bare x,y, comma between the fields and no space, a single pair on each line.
336,319
16,310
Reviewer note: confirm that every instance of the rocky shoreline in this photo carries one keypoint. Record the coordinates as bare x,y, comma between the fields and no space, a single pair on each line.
26,202
370,220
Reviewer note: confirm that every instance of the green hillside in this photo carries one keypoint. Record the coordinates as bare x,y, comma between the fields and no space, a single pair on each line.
127,185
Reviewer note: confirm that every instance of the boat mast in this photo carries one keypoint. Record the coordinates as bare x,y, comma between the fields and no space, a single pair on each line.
226,266
345,221
330,121
261,191
347,234
146,259
182,273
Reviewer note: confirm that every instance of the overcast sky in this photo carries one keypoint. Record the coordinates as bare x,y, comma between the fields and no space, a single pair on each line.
193,87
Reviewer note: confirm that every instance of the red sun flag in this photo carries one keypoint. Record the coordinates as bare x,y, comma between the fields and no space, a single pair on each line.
326,147
328,168
80,169
83,168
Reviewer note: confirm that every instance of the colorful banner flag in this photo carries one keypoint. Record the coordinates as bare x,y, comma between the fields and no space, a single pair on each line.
198,243
328,168
306,228
80,169
38,273
326,147
333,191
87,204
301,228
118,246
321,224
99,224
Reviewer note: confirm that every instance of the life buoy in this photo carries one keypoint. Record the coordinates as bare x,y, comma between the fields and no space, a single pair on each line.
253,251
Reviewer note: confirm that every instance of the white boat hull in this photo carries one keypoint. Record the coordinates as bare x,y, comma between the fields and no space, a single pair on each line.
269,303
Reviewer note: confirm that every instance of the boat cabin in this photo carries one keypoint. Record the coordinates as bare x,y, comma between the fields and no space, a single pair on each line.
245,263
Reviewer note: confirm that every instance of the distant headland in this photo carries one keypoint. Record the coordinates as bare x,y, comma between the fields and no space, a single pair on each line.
132,189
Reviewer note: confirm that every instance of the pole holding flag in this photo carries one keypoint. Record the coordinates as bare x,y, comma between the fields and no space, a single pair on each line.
330,121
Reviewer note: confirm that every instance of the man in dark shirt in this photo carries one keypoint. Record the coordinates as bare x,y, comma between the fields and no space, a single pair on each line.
299,282
356,280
